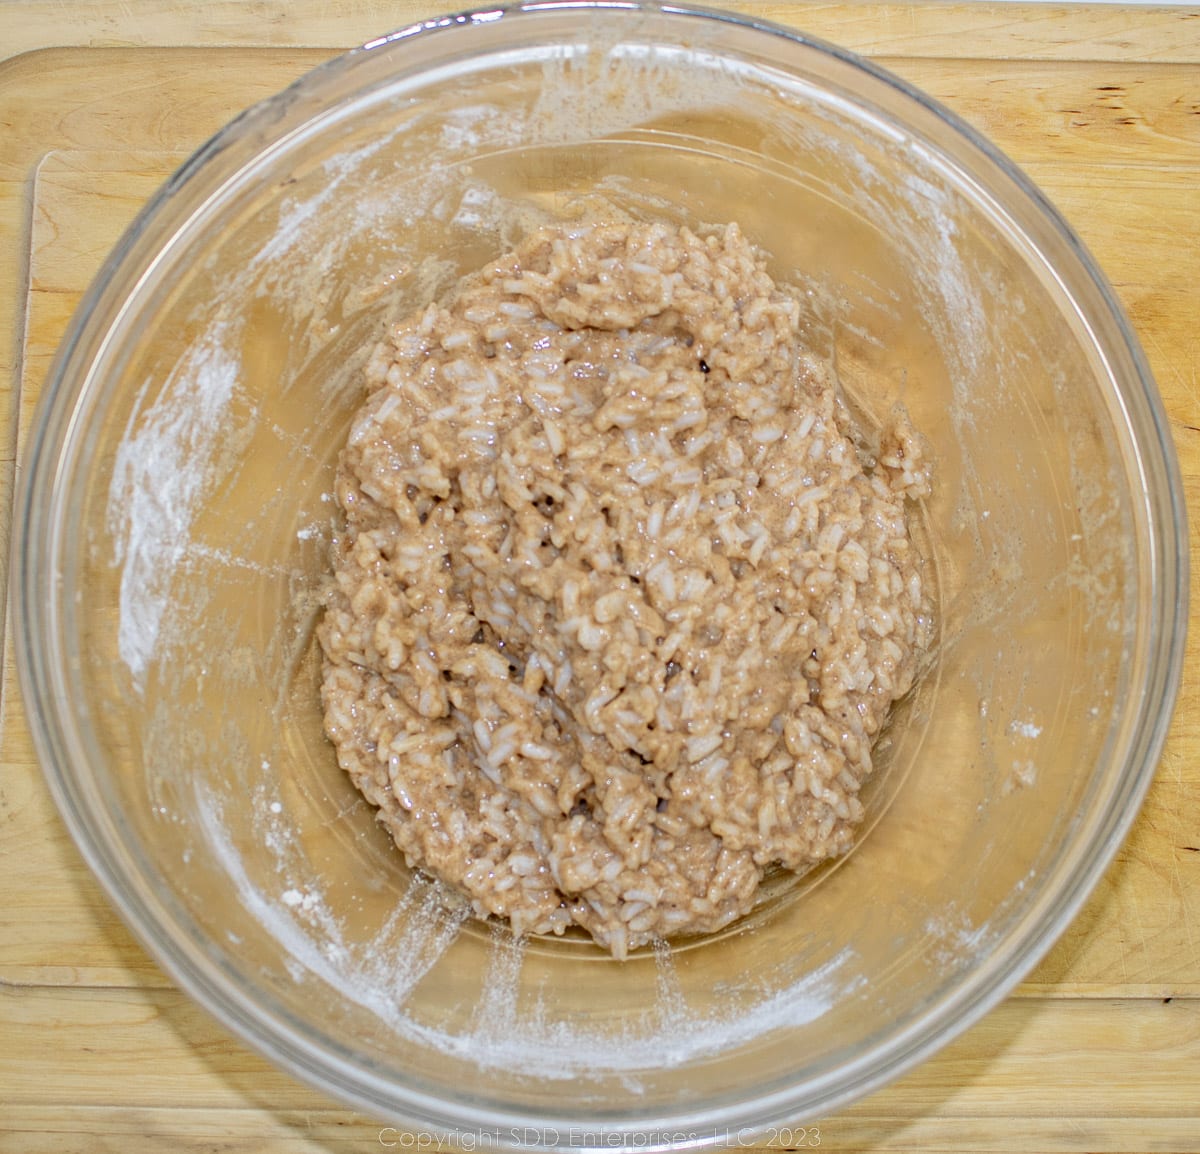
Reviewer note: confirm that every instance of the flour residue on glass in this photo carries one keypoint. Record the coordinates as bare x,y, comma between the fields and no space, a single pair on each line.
161,471
382,972
668,1036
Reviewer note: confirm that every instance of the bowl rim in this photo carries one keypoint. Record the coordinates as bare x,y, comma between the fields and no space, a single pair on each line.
36,589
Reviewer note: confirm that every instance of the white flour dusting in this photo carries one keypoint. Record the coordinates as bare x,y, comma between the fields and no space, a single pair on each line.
668,1036
161,470
956,940
669,994
381,973
293,232
378,974
411,942
496,1015
1025,729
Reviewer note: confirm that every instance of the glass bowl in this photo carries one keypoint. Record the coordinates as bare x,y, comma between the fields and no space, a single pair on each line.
175,515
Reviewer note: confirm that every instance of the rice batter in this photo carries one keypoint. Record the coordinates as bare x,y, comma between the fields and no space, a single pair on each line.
621,600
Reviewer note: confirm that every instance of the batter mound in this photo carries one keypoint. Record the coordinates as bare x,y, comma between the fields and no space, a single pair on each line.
621,602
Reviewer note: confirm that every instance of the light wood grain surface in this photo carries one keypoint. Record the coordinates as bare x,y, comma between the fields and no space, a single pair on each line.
1098,1051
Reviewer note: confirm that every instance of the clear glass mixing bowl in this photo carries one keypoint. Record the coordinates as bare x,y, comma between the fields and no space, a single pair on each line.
175,513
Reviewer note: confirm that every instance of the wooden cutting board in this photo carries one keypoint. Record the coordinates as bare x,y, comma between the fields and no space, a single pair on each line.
1098,1050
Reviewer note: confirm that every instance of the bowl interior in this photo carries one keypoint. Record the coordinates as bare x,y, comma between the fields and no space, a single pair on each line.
223,364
